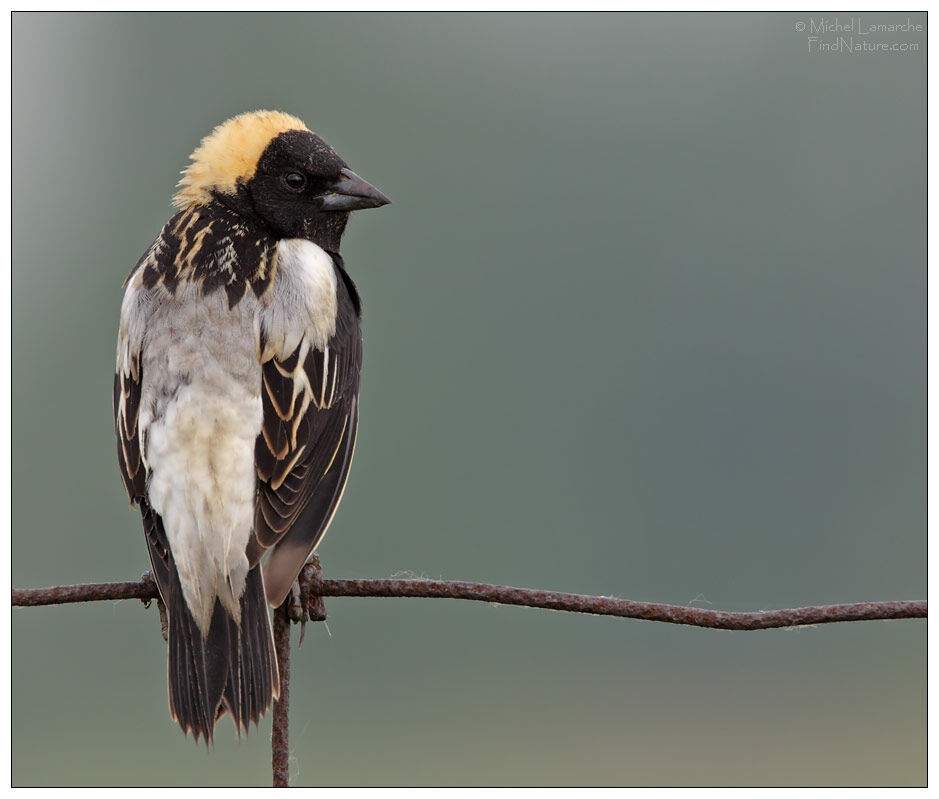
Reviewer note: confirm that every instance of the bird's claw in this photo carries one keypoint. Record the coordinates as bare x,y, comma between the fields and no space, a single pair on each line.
147,577
295,610
303,604
164,624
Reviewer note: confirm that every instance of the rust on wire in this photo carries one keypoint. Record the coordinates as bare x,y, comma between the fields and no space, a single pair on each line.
87,592
628,608
507,595
280,722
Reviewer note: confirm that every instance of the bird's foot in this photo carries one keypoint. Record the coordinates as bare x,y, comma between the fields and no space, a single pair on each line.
303,603
164,624
147,577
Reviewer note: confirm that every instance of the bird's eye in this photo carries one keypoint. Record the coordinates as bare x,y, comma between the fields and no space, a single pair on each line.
295,181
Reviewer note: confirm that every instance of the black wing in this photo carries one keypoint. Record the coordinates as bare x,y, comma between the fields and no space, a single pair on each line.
303,453
126,416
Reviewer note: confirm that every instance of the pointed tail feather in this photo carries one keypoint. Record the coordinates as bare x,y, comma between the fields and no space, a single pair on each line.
230,669
255,683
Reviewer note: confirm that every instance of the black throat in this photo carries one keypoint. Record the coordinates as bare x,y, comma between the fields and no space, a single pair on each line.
324,230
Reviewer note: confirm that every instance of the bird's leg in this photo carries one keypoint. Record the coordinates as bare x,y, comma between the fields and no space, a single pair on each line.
304,603
164,624
147,577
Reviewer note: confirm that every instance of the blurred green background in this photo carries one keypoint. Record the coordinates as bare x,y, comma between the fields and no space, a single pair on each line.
646,318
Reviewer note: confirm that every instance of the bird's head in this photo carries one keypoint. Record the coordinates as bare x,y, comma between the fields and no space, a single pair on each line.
269,167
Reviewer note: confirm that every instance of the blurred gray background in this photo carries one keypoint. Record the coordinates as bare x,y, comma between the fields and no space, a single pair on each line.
646,318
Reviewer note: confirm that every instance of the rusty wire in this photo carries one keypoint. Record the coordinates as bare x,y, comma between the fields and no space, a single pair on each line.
280,721
507,595
314,587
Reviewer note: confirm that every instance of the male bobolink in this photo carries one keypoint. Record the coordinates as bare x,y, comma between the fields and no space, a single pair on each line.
236,398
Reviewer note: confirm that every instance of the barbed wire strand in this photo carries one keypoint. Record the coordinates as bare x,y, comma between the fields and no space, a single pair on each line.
314,587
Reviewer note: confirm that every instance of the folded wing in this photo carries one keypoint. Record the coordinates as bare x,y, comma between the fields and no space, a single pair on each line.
303,454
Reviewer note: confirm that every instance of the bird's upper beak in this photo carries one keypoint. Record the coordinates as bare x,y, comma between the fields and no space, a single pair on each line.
350,193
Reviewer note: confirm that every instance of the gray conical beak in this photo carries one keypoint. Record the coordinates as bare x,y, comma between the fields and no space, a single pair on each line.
351,193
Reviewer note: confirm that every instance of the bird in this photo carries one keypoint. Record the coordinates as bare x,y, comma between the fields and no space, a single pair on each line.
236,399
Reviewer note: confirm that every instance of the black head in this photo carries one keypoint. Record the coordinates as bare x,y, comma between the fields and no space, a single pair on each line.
303,189
273,171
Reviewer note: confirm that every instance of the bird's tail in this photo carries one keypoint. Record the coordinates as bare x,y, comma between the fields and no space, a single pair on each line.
233,668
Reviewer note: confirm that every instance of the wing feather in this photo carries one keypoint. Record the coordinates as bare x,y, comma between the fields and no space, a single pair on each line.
310,406
127,388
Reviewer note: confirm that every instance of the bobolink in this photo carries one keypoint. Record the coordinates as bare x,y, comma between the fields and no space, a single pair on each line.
236,398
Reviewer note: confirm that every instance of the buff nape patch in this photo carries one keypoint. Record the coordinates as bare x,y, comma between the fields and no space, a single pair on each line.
229,153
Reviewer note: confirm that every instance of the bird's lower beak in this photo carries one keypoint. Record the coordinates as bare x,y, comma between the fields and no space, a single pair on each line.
350,193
